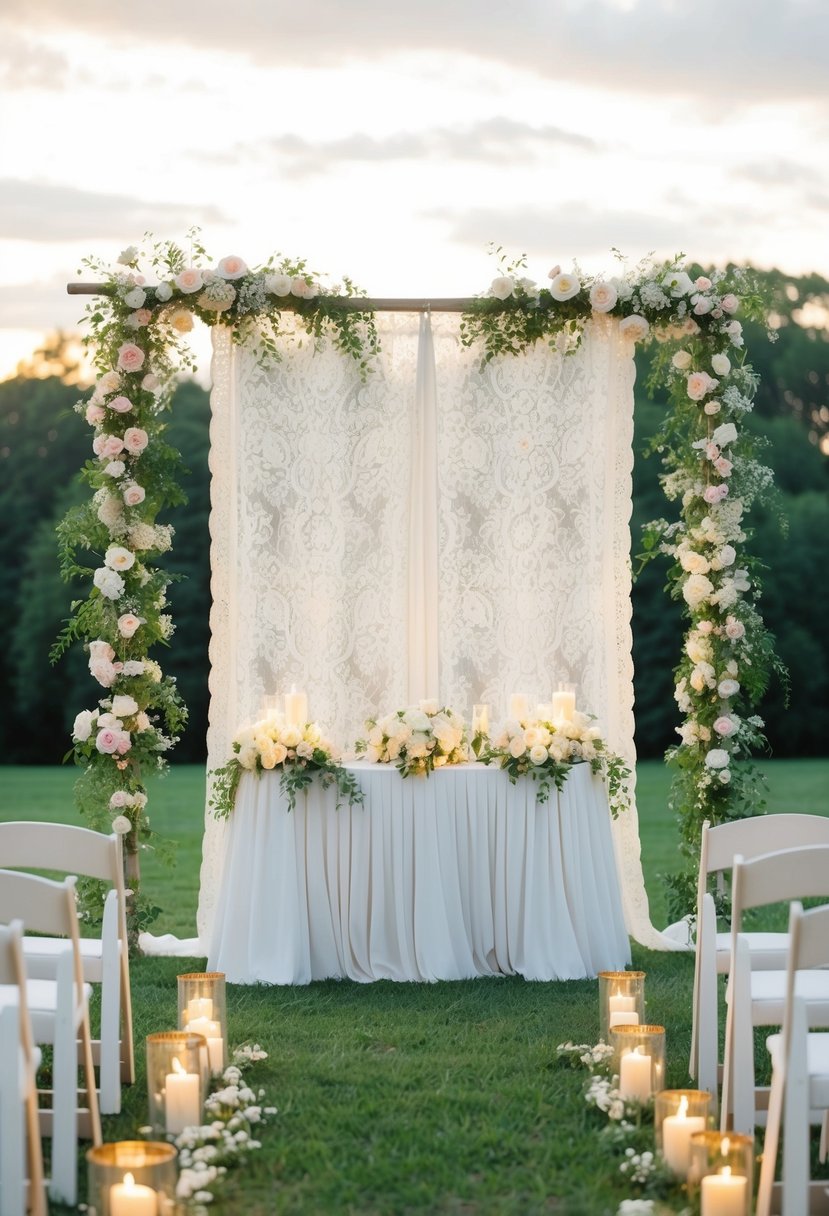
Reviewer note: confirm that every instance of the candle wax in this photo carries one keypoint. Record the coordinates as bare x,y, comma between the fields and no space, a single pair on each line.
635,1075
624,1017
130,1198
724,1194
676,1140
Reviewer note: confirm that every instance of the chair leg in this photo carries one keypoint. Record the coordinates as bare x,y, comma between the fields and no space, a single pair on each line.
771,1142
63,1184
128,1045
796,1119
110,1059
12,1154
738,1077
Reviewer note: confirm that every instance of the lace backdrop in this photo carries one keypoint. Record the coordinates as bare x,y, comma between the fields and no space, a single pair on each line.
443,530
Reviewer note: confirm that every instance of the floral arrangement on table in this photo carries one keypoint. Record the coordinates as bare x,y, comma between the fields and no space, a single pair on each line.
301,753
712,473
417,739
546,751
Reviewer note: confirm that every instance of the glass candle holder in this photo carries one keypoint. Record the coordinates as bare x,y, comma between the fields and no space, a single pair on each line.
175,1080
638,1060
722,1171
202,1010
621,1000
131,1178
678,1114
480,718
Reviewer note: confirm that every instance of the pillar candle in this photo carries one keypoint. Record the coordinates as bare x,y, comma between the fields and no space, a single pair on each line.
480,719
724,1194
519,706
623,1017
676,1137
131,1198
199,1007
635,1075
564,704
296,707
617,1002
182,1105
212,1032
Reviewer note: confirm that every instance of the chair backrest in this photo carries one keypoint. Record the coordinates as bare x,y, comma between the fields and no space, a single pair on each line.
12,966
28,845
43,905
785,875
809,935
755,836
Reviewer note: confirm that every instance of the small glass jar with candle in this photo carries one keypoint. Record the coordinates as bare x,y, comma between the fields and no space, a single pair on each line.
202,1010
621,1000
678,1115
638,1060
131,1178
175,1080
722,1173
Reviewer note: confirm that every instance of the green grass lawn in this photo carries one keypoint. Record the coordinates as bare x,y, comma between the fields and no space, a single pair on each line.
398,1098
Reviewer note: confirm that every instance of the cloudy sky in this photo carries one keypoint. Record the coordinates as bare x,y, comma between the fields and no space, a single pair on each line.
393,141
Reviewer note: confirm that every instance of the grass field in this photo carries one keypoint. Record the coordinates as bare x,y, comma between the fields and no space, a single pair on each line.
439,1098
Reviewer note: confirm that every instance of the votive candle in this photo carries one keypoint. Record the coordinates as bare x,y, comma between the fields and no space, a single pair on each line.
635,1075
181,1099
676,1137
724,1193
131,1198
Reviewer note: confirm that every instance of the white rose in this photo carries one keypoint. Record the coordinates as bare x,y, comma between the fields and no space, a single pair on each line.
109,582
694,563
517,746
124,707
115,468
682,360
724,434
502,287
84,723
538,754
564,287
697,589
717,757
121,825
278,284
721,364
135,298
429,707
164,292
119,558
603,296
728,688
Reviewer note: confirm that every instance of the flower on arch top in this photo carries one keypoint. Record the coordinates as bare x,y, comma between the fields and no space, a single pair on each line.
564,287
231,267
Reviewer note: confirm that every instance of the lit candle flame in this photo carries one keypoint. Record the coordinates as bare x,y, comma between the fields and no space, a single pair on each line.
129,1182
725,1148
726,1171
177,1067
682,1113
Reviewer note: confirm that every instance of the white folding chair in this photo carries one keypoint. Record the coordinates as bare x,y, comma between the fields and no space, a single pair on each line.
59,1013
750,838
757,998
79,851
800,1075
21,1159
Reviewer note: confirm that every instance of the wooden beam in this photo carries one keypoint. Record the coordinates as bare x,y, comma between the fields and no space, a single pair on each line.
346,303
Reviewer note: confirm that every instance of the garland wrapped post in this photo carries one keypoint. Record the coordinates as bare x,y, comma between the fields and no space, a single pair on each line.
114,541
711,471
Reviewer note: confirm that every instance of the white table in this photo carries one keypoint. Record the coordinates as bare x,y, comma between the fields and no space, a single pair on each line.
451,877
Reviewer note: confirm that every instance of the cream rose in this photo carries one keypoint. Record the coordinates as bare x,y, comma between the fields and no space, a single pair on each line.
721,364
538,753
231,267
189,280
135,440
278,284
517,746
119,558
128,623
697,589
634,327
564,287
682,360
603,296
502,287
181,320
124,707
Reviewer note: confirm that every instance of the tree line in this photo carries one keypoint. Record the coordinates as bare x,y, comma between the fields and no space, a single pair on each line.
43,443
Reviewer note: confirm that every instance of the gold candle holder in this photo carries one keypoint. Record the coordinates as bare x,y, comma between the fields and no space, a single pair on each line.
175,1080
638,1060
131,1178
202,1010
678,1114
722,1171
621,1000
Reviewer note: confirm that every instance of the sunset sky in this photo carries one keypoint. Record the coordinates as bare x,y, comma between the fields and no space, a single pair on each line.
391,142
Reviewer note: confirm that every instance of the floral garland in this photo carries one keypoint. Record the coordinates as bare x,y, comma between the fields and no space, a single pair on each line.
114,541
301,753
417,740
712,472
547,750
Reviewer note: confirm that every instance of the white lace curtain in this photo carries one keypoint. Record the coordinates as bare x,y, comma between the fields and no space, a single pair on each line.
444,530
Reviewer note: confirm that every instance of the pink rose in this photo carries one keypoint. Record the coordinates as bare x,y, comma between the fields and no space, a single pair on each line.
103,672
702,305
231,267
112,446
734,629
107,741
130,357
134,494
712,451
95,414
142,316
705,627
99,649
135,440
699,385
723,466
702,283
554,273
123,742
725,726
127,624
118,799
715,494
121,404
189,280
729,303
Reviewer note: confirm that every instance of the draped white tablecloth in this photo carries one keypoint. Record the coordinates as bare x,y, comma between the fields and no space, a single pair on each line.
452,877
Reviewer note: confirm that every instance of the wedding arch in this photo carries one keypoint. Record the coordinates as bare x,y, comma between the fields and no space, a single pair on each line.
462,445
